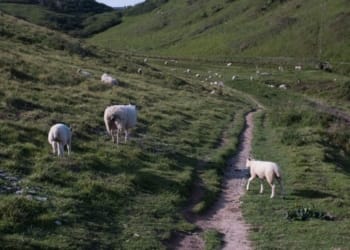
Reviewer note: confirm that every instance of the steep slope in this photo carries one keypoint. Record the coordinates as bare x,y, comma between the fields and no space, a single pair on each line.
79,18
250,28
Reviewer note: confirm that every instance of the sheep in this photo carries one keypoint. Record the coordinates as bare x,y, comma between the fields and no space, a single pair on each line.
234,77
198,75
188,71
83,73
282,86
145,60
220,84
280,68
119,118
297,67
108,79
264,170
165,62
139,71
251,78
59,136
229,64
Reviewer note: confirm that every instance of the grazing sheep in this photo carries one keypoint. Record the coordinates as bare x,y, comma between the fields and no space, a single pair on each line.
251,78
108,79
198,75
188,71
145,60
282,86
264,170
234,77
166,63
280,68
59,136
83,73
229,64
220,84
297,67
119,118
139,71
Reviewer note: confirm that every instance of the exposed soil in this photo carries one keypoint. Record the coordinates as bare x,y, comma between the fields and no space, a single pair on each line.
225,215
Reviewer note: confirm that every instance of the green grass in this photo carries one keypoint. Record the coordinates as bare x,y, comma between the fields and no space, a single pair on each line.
102,196
81,23
315,171
130,197
212,240
290,31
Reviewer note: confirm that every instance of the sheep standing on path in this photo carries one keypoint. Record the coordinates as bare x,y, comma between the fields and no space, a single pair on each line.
264,170
119,118
59,136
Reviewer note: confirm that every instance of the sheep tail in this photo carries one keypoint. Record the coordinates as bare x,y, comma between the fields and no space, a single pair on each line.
277,173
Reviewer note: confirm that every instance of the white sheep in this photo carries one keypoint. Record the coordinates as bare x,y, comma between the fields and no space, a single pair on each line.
139,70
59,136
83,73
282,86
119,118
108,79
229,64
280,68
220,84
145,60
297,67
264,170
234,77
188,71
198,75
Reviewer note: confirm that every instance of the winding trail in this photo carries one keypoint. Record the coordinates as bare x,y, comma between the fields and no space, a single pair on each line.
225,216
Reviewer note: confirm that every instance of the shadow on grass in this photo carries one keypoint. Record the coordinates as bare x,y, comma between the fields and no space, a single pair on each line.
311,194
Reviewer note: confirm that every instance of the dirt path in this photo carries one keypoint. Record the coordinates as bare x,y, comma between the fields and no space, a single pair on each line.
225,216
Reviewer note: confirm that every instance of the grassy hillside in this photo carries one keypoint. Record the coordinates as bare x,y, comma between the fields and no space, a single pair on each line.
131,196
78,18
242,28
102,196
312,146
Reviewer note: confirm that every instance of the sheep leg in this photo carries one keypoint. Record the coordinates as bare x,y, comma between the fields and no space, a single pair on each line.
273,186
249,180
126,135
69,148
53,144
60,150
261,187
